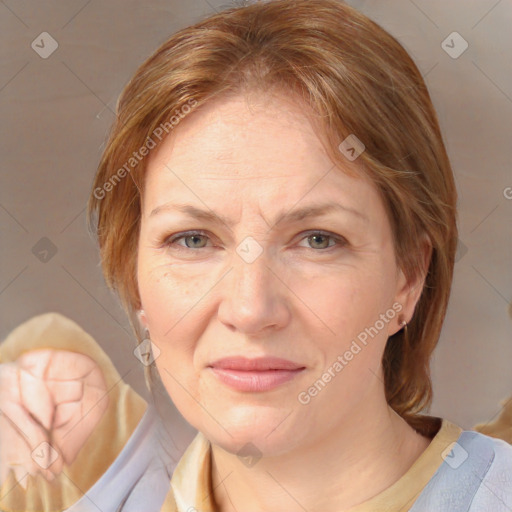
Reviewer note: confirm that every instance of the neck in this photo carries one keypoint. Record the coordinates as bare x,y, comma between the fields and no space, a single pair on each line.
350,464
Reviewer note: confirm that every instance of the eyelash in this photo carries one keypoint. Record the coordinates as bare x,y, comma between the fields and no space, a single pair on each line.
169,241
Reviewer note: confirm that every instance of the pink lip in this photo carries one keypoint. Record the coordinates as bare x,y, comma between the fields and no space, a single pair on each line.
261,374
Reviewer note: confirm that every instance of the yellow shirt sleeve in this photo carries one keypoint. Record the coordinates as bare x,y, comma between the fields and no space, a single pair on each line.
124,411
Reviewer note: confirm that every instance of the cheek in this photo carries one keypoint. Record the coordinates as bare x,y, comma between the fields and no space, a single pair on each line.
346,300
166,304
168,296
182,383
175,305
172,308
350,304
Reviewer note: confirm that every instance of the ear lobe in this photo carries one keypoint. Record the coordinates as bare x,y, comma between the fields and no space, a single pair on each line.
142,317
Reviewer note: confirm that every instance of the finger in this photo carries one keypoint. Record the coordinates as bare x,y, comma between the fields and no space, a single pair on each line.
15,453
65,391
35,362
23,423
76,421
36,398
66,365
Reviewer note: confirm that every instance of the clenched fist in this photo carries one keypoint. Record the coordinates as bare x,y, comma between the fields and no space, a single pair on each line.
50,402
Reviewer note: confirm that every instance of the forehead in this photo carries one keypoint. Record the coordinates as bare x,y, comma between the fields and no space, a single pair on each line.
227,134
260,150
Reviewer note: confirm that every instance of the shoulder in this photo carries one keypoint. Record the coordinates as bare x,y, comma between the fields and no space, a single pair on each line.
475,475
491,456
496,451
477,441
495,491
502,449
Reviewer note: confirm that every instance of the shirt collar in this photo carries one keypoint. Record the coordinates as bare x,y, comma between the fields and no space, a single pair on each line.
191,484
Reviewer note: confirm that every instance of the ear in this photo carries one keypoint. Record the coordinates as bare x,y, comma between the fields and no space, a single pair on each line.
408,292
141,315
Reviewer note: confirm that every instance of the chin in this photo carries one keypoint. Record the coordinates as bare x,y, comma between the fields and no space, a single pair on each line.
253,429
251,444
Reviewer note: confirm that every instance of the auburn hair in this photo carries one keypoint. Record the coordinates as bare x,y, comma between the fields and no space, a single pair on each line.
359,80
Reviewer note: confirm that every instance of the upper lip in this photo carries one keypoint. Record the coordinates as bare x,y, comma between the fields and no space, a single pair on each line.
256,364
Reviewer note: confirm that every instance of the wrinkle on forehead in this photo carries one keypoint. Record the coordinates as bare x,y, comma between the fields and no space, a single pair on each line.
239,114
227,140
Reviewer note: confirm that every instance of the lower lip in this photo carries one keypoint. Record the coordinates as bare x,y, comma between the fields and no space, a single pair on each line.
255,380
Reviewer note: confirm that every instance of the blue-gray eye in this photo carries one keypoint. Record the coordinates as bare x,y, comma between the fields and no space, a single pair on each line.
321,240
196,240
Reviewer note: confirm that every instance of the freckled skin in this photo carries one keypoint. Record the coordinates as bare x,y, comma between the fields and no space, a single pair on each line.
294,301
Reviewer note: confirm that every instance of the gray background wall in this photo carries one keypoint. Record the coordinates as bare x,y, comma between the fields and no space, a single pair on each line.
56,111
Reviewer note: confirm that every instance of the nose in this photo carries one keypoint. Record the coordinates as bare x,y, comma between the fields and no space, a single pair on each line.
254,298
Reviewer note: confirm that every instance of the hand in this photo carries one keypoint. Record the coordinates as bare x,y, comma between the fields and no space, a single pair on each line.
50,402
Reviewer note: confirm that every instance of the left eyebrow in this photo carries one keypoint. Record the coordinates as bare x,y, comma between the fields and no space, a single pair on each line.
319,210
287,216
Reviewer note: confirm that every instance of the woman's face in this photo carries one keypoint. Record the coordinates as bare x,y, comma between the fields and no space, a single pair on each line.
321,290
